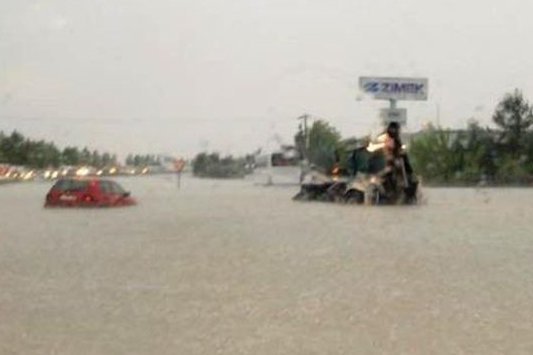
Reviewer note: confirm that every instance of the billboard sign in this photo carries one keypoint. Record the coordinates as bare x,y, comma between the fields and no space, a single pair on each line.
389,115
383,88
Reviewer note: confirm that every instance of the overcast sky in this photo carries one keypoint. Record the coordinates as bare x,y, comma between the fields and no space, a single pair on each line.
180,76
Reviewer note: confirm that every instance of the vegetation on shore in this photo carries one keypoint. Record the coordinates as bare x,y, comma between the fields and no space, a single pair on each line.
498,155
15,149
142,160
322,147
502,155
214,166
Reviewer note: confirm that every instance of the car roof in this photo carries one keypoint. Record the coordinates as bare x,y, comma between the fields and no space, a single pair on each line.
88,180
77,179
83,178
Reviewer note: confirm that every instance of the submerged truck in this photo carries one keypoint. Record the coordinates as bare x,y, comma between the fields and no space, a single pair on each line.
369,177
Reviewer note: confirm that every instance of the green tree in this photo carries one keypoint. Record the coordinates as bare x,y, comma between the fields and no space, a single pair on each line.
85,156
12,147
200,163
137,160
528,139
42,154
17,150
129,160
480,153
433,157
106,159
96,159
212,165
2,154
514,116
70,156
323,142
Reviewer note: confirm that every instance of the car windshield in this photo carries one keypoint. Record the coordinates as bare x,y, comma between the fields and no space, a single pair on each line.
111,187
117,188
366,162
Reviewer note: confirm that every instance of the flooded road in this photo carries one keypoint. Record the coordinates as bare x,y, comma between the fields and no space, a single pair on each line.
225,267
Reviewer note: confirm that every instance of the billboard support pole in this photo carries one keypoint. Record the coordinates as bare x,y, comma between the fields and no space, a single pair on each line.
304,117
392,104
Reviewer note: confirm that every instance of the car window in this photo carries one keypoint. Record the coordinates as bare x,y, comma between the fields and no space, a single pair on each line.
367,162
71,185
106,187
376,162
111,187
116,188
77,185
60,185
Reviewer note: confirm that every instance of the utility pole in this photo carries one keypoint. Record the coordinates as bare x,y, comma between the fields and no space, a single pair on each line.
305,117
305,161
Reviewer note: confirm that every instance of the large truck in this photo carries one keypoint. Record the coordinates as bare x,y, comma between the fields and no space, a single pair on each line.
368,177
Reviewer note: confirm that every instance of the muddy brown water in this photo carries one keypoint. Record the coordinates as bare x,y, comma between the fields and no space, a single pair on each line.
226,267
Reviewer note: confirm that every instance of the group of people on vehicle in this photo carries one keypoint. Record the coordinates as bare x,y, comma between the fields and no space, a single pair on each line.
386,159
377,172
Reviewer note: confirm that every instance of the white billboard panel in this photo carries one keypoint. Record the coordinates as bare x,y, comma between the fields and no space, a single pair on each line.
389,115
382,88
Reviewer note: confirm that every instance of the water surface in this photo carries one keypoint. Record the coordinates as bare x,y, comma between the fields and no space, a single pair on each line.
231,268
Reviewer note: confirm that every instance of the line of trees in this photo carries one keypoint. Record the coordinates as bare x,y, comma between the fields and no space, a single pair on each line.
15,149
143,160
499,156
214,166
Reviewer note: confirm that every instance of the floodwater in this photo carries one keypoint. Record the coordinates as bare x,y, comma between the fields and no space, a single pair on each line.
225,267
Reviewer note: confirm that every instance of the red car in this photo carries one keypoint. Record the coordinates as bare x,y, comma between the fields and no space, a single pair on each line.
87,193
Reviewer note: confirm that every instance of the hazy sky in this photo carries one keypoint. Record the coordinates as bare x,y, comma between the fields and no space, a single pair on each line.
179,76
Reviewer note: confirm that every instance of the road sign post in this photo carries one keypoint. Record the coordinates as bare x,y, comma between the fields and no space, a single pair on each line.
389,115
179,164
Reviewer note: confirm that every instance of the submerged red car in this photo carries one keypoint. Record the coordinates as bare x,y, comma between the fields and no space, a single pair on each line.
87,193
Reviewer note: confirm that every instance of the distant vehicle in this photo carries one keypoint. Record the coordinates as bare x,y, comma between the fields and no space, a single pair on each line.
279,167
82,192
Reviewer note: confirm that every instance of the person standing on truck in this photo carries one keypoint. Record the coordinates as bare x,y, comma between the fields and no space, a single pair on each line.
394,147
